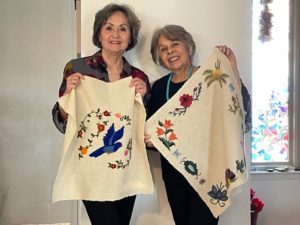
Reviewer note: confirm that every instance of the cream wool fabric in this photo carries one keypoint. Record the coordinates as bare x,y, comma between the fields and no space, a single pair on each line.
104,156
200,132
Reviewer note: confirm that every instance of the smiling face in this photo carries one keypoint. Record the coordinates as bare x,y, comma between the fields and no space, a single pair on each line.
114,35
173,54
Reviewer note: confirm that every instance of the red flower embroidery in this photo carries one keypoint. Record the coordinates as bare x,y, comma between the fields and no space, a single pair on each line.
79,134
113,166
106,113
101,127
186,100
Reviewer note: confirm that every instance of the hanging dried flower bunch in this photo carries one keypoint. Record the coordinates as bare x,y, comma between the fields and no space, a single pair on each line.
265,21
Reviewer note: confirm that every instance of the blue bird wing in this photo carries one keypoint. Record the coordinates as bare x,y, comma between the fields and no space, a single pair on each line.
117,146
118,135
98,152
113,136
108,137
113,148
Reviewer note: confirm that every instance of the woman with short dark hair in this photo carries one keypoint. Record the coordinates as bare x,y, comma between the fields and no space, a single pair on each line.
102,16
116,29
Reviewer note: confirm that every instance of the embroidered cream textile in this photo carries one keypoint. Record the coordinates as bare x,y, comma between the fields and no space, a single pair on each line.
104,156
200,132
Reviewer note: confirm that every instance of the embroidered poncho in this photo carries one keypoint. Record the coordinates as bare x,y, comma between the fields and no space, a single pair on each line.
104,156
200,132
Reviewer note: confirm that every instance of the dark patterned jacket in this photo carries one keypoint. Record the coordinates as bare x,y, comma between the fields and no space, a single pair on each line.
94,66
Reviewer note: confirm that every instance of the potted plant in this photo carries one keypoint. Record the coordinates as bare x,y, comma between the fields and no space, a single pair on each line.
256,205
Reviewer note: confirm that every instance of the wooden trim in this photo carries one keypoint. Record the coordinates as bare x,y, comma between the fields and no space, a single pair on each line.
78,28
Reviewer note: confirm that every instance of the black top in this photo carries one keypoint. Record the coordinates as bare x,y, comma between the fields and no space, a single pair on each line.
158,93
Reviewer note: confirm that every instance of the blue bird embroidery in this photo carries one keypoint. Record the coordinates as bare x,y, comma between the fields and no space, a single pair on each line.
110,142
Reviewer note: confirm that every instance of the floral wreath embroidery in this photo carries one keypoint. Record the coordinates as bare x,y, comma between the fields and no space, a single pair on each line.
119,164
112,136
167,136
186,101
101,126
215,75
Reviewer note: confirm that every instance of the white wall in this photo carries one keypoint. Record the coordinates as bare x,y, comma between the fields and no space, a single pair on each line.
281,194
35,43
210,22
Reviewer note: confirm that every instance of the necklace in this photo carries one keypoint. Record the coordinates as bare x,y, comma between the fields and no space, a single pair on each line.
170,78
114,73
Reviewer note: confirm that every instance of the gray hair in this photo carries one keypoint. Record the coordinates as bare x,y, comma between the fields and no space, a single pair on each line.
102,16
173,33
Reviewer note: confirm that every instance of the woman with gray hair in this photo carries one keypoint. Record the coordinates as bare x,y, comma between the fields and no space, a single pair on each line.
115,31
173,48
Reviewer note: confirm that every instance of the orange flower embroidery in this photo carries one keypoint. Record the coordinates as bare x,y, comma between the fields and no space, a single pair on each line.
83,150
165,134
172,136
167,124
118,115
160,131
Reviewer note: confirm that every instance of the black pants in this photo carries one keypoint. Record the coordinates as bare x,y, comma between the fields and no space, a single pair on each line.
186,205
110,213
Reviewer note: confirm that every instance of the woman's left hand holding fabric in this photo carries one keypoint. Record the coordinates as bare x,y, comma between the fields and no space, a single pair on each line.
140,86
232,59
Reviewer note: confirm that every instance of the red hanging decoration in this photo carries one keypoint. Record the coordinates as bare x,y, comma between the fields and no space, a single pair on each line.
265,22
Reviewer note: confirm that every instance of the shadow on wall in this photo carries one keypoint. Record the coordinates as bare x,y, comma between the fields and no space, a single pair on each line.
2,200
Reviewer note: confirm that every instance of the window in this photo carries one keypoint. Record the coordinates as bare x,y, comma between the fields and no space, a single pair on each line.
274,96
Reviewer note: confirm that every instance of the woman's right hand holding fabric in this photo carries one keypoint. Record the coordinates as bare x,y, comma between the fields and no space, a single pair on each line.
72,82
